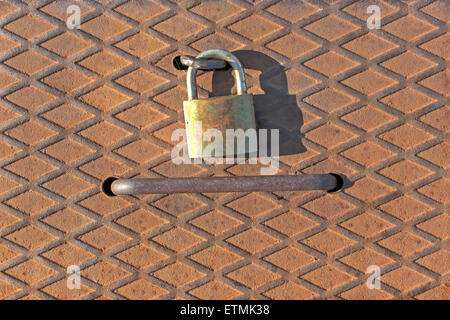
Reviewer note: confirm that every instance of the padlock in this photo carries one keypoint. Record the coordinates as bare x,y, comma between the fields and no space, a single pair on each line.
220,113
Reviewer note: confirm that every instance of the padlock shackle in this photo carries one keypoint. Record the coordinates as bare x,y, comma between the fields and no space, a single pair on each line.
241,87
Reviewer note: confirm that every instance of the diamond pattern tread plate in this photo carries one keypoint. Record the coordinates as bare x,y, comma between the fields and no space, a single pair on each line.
77,106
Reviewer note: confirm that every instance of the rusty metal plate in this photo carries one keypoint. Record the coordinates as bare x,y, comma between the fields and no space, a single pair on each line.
80,105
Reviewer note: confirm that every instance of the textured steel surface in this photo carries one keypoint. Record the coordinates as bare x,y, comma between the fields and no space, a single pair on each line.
78,106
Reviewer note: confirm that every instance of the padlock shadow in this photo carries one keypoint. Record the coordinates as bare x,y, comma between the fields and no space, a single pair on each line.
276,108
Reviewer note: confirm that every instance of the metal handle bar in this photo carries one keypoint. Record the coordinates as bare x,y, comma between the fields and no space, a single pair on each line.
203,63
184,62
330,182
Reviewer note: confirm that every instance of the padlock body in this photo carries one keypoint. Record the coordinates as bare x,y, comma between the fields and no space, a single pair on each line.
220,113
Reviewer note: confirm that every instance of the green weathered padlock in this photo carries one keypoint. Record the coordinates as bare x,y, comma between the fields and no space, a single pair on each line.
224,114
